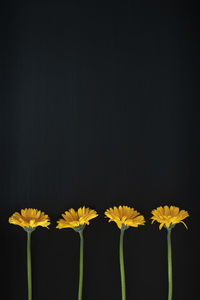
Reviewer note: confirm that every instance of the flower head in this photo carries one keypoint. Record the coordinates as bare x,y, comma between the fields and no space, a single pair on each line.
30,218
125,216
169,216
75,219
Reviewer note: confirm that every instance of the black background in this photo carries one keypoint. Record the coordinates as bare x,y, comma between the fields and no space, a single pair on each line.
99,107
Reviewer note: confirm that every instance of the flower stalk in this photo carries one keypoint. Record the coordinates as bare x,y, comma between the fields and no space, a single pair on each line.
121,260
80,289
29,273
169,264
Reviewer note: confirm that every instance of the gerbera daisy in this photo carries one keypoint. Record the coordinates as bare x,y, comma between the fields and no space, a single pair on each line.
124,217
29,219
169,216
77,220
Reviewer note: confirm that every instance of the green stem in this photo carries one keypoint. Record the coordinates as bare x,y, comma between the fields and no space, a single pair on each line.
169,264
29,275
81,267
121,259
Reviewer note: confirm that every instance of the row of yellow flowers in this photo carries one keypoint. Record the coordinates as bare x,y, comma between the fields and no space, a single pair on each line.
123,216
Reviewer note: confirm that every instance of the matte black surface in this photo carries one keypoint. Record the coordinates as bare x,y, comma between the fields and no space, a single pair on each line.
99,107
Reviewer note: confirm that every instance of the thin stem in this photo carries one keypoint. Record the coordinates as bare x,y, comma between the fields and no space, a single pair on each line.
81,267
121,259
29,275
169,264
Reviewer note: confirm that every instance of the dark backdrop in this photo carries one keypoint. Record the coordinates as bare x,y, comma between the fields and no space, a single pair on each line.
99,107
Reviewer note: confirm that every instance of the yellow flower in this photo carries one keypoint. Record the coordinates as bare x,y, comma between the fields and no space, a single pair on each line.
74,219
124,215
30,218
169,216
